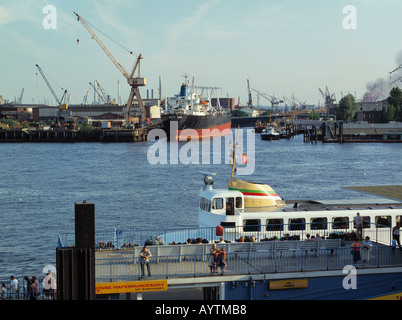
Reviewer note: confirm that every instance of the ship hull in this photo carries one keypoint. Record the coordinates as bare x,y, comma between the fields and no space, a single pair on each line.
189,127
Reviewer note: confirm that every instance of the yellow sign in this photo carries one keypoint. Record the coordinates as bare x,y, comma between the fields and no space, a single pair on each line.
288,284
134,286
394,296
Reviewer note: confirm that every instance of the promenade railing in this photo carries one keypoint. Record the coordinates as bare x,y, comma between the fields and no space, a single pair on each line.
128,267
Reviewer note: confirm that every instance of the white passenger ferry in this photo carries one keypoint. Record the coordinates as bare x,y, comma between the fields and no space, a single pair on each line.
250,208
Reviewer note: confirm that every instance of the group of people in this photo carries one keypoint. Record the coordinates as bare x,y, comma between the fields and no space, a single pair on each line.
361,250
32,292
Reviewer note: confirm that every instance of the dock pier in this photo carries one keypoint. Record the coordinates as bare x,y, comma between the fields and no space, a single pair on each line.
70,135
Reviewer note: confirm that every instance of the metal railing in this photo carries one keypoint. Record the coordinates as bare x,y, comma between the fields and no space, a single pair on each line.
24,294
240,263
120,239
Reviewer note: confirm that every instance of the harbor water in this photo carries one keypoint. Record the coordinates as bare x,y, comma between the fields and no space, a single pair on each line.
40,182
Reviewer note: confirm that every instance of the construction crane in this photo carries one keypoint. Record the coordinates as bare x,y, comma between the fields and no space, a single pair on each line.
96,91
134,82
106,96
396,69
21,95
250,100
274,101
328,98
84,101
60,102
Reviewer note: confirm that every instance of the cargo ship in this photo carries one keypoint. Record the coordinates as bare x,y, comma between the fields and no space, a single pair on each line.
188,115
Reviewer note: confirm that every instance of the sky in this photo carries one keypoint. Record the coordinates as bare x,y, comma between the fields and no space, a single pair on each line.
284,48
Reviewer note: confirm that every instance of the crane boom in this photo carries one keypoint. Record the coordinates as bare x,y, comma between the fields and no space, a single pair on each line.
134,82
59,101
94,36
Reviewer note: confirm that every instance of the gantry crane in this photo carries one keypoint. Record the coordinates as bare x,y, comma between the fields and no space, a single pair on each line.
134,82
60,102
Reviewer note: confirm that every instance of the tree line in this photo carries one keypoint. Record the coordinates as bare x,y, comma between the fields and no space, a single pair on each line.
348,107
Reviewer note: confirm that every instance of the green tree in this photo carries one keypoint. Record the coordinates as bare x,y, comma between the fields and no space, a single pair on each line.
391,113
398,113
347,108
395,97
239,113
384,114
314,115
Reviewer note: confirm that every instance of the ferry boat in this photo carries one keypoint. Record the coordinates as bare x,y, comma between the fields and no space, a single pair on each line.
189,115
246,208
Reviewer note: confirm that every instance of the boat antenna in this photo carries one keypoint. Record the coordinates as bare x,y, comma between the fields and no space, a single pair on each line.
233,165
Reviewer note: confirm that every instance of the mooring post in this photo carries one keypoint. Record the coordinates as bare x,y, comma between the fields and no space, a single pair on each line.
76,265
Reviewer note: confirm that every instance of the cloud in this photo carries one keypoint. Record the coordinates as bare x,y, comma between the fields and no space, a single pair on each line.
184,31
15,11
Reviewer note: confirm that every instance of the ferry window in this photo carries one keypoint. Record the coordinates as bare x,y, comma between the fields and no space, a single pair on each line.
251,225
366,222
297,224
239,202
218,203
202,203
340,223
318,224
230,206
383,221
274,225
398,219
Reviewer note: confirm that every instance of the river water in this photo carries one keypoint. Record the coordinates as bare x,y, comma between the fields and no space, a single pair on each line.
40,182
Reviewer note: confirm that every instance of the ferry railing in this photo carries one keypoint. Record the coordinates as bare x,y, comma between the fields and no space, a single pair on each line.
250,263
128,238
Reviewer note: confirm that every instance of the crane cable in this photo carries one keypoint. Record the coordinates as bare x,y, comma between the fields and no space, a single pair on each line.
119,44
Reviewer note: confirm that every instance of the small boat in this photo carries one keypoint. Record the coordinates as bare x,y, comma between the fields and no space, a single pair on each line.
259,126
270,133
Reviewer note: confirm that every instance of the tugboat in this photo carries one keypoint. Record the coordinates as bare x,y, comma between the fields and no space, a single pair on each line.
270,133
188,115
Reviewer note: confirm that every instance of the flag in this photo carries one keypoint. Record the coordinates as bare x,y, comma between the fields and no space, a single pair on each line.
244,158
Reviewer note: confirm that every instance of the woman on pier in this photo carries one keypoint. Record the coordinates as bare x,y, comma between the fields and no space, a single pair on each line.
356,251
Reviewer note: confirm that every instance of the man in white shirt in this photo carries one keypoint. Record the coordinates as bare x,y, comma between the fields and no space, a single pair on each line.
13,288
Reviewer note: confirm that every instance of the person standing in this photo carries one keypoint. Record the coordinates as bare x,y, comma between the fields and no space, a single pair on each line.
13,288
366,250
359,225
3,291
29,295
145,254
356,251
35,287
395,235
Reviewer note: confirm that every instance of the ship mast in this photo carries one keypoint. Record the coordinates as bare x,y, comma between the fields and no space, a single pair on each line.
233,165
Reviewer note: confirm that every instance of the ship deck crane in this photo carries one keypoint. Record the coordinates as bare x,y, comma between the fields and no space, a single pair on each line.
59,101
134,82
